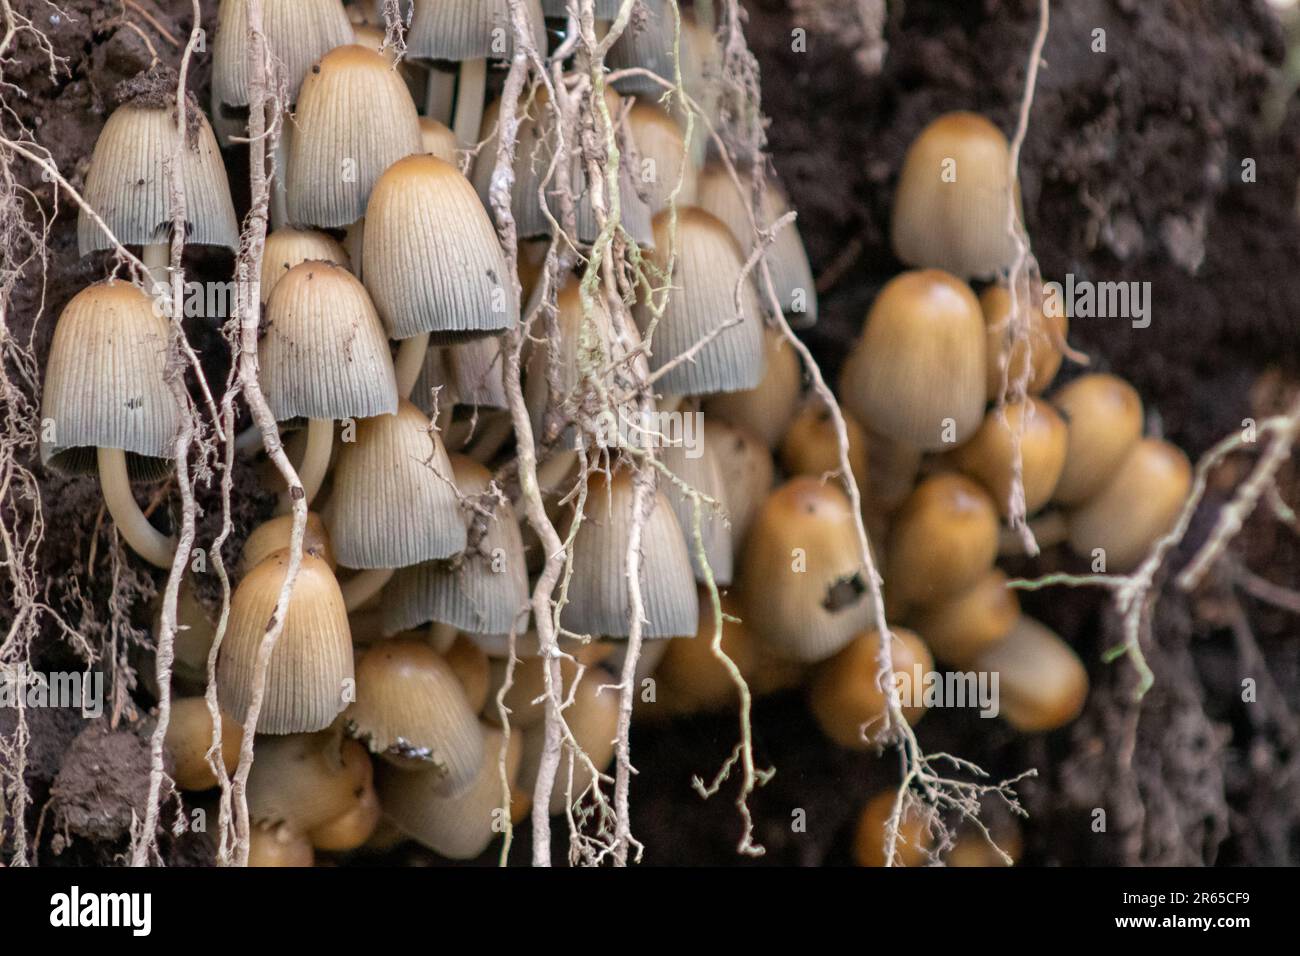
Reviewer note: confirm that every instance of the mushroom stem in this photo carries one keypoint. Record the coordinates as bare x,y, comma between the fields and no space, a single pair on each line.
410,361
157,258
439,93
364,585
315,460
469,101
145,540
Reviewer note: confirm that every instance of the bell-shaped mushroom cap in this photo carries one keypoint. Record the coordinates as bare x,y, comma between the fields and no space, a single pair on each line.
1105,422
950,208
959,627
325,354
411,708
484,590
355,119
478,373
438,140
459,827
914,836
105,380
652,44
786,257
129,182
279,846
698,467
665,160
599,603
801,577
747,473
845,695
1007,357
286,247
1042,684
435,379
990,455
707,270
766,411
298,33
273,535
943,539
431,258
812,447
188,739
593,721
306,780
394,502
312,659
917,374
469,29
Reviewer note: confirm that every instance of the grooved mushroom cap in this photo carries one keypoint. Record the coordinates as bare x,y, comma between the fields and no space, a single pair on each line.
786,257
306,780
1042,684
312,659
599,603
460,827
478,373
355,118
286,247
482,591
604,9
747,472
769,410
431,258
708,267
699,469
469,29
650,45
801,578
394,503
129,182
273,535
917,374
105,379
1006,356
943,539
325,354
411,708
298,33
438,140
950,208
664,158
593,720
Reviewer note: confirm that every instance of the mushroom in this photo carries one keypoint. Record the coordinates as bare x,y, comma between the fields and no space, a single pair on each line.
942,540
106,403
747,474
667,170
310,666
1105,417
351,829
1136,506
472,667
275,535
599,601
355,118
438,140
767,410
990,455
279,846
468,32
394,502
811,446
732,200
324,356
1042,684
458,827
960,626
286,247
306,780
189,738
845,695
691,678
297,33
950,207
914,837
700,307
699,469
1007,358
524,699
432,262
917,374
412,711
801,578
484,589
130,184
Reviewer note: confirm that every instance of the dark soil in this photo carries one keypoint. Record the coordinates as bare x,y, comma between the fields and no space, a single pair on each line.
1131,171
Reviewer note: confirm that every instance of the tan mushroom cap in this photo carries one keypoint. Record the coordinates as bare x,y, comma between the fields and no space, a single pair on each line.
394,502
1042,684
105,379
355,118
457,827
431,257
279,846
129,182
484,590
438,140
690,676
599,600
959,627
914,838
708,268
665,161
812,447
311,665
699,469
593,721
325,354
411,709
950,208
786,257
286,247
768,410
844,694
747,472
477,371
273,535
1105,417
189,735
917,374
459,30
990,454
298,33
306,780
1007,357
801,577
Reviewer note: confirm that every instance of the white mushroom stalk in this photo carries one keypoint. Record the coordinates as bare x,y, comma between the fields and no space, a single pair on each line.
144,539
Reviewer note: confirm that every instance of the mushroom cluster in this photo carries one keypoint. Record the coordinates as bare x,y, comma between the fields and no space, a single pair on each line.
401,700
